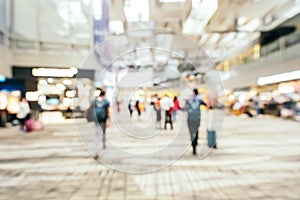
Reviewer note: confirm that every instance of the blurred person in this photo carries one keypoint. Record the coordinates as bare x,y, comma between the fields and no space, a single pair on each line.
256,105
194,117
23,114
175,108
248,108
166,104
156,104
119,103
130,108
138,108
102,120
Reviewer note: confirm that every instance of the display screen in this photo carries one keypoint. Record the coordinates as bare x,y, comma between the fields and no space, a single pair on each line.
52,100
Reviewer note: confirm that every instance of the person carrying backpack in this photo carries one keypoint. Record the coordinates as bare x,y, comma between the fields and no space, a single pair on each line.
194,117
101,108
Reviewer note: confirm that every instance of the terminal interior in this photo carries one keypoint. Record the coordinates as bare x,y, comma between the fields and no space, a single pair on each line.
242,57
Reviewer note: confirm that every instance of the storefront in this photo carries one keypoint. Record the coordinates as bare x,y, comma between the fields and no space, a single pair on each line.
277,99
59,92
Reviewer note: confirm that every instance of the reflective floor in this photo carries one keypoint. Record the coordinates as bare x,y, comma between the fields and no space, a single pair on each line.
257,158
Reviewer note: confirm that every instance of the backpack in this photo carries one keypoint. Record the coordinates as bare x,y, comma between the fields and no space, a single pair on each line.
101,110
194,108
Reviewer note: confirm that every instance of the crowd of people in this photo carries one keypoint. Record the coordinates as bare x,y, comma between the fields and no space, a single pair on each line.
165,108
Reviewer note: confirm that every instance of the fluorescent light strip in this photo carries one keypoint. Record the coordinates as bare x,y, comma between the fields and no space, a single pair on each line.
294,75
53,72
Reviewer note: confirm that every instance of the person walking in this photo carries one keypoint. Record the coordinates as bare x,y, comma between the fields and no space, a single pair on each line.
102,120
194,118
175,108
23,113
138,108
166,104
130,108
157,109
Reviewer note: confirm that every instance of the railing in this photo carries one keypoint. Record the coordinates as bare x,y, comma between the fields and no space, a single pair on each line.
23,44
280,45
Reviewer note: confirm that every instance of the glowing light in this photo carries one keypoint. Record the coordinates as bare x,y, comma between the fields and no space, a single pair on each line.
53,72
97,9
294,75
286,89
61,86
97,93
71,93
32,96
67,82
43,82
116,27
137,10
50,80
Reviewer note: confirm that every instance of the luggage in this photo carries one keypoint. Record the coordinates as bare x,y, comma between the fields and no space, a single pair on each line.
33,125
211,138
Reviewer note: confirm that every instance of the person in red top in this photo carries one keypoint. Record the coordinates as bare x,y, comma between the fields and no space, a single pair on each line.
175,108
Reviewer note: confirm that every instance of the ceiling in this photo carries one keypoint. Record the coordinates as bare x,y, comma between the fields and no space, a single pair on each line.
221,27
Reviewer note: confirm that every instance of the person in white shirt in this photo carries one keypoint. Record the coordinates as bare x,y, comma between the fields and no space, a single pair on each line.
23,113
166,104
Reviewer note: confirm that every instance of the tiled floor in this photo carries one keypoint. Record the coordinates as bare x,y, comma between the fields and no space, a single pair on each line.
257,158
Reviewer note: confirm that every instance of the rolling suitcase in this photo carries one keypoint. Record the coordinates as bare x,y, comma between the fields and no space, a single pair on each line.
211,138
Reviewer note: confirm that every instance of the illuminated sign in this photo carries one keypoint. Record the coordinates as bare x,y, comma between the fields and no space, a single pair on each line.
54,72
294,75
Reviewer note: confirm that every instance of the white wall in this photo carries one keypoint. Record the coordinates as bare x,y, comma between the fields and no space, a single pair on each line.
5,60
44,59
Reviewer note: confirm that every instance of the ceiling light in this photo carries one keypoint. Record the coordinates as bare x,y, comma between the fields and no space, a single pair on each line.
2,78
204,37
116,27
242,20
251,25
193,27
201,13
228,37
97,9
137,10
214,38
75,6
